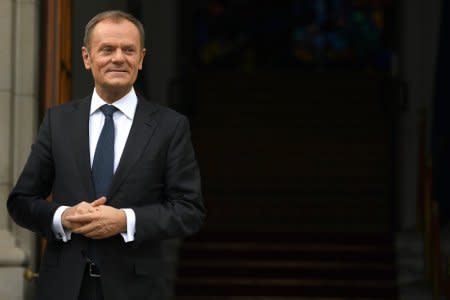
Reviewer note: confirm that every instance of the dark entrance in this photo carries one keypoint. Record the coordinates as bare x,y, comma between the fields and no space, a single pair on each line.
293,115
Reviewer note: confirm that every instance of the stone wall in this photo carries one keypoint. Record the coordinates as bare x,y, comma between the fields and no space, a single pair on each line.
18,113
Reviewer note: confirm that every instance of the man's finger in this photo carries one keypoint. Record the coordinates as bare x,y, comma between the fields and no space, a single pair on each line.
85,229
94,235
71,225
85,218
99,201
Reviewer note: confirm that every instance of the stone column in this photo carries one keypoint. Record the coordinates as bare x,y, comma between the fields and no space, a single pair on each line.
418,41
18,103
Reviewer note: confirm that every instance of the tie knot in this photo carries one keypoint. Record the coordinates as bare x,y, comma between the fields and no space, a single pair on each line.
108,110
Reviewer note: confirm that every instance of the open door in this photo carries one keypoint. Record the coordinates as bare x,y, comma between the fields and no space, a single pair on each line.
56,58
293,112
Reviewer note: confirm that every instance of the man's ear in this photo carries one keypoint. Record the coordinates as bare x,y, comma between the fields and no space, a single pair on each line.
142,58
86,59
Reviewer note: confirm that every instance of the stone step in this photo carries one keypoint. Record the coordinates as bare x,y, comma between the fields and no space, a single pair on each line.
288,283
234,268
272,298
287,265
281,264
283,252
241,286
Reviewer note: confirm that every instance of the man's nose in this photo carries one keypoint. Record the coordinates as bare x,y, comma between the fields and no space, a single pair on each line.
118,56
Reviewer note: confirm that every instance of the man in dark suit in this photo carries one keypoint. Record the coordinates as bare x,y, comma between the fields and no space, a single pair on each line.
122,174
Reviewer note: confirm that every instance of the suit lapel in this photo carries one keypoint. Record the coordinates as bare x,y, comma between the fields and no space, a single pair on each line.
140,134
80,134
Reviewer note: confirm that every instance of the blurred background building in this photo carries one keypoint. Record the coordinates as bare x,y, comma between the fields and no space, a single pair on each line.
320,128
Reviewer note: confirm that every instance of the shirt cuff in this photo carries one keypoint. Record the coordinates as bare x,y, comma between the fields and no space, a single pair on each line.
131,225
57,227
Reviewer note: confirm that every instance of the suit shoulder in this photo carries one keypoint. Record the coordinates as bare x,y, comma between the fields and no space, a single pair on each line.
171,113
166,114
69,106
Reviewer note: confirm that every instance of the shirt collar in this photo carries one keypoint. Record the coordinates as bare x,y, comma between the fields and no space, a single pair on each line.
127,104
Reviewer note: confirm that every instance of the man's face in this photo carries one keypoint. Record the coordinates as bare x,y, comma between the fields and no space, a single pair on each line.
115,55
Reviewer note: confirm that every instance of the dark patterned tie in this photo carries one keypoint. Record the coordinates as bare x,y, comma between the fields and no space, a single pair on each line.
103,164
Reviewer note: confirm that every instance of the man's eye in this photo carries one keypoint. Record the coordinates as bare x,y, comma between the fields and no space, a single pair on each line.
129,50
106,50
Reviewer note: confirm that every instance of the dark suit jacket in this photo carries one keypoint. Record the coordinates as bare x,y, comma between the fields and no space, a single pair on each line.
157,176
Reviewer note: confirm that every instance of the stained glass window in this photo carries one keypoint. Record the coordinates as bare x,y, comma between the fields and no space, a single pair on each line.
305,34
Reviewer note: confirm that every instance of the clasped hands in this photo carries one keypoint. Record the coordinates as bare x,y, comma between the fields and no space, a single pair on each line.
94,220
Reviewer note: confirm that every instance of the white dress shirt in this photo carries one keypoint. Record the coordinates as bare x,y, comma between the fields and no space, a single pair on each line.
123,119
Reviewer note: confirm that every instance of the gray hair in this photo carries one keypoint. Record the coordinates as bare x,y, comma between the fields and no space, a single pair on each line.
115,16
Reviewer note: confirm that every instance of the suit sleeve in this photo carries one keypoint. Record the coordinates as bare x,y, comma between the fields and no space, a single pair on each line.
182,212
27,203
